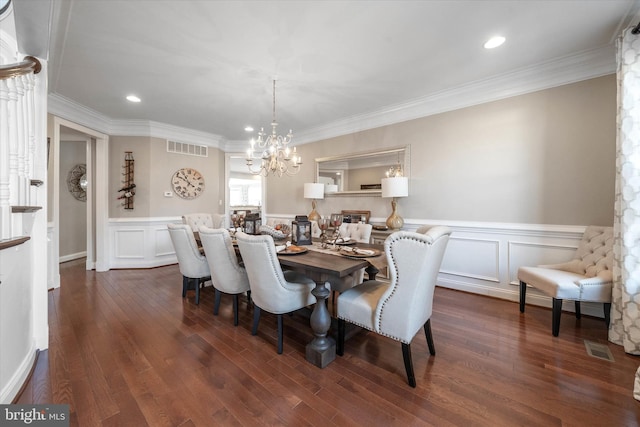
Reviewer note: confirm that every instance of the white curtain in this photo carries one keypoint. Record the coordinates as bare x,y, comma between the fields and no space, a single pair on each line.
625,308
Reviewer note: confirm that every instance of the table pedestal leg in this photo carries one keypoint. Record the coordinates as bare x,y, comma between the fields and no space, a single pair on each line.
322,350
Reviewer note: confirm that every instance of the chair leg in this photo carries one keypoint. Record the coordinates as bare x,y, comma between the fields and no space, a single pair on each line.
235,309
279,333
408,364
216,304
556,312
523,295
185,285
340,343
256,319
578,313
607,313
429,335
197,291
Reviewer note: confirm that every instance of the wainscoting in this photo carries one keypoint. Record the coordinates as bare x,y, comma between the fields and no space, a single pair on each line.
481,258
141,242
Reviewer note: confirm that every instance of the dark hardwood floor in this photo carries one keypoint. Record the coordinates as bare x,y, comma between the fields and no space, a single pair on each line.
127,350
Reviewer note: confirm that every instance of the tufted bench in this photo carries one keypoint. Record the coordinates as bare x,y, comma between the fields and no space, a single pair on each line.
587,277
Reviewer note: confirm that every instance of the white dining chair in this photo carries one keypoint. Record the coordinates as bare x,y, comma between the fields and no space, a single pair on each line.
193,265
227,275
360,233
272,290
398,309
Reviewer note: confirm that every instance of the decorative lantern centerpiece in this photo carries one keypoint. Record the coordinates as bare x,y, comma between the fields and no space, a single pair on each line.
252,223
301,230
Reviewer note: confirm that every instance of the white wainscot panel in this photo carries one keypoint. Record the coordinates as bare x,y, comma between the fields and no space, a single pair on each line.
473,258
129,243
163,243
141,242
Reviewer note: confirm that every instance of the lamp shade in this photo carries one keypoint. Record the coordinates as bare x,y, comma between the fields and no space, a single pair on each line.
313,190
395,186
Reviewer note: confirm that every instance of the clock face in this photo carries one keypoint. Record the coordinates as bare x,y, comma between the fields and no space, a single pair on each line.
187,183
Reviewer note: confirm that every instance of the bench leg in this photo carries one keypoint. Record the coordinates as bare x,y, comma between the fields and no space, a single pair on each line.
523,295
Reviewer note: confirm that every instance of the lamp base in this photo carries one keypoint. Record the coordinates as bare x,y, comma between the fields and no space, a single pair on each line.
314,215
395,221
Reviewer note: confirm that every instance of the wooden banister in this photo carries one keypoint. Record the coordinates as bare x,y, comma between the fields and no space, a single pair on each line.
30,64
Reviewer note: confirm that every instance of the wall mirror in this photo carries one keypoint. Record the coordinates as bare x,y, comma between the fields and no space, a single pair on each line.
361,173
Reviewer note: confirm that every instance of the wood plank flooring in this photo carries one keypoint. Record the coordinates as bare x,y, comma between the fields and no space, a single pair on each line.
126,350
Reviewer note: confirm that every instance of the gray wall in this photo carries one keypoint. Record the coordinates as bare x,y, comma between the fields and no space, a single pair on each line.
73,212
154,167
541,158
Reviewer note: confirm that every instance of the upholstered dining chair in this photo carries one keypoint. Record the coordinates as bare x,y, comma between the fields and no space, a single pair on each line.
399,308
193,265
227,275
587,277
272,290
196,220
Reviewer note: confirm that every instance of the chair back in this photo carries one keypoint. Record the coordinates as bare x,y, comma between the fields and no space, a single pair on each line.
192,264
226,273
196,220
594,255
356,231
269,288
414,262
218,221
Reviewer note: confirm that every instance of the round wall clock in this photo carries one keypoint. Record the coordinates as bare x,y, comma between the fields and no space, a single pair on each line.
187,183
77,182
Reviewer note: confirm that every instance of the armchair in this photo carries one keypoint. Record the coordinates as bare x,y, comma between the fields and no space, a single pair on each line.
400,308
587,277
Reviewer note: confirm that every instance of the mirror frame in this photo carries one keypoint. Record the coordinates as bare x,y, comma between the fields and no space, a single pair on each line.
406,165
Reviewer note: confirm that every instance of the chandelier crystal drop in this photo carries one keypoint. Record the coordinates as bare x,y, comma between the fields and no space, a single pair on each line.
271,152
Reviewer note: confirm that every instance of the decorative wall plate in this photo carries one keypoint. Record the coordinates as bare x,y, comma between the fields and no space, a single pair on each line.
77,182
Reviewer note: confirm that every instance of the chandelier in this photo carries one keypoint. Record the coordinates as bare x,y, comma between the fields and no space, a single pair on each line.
274,155
395,171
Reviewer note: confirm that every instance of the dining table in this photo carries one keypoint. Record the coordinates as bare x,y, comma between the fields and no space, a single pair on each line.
321,265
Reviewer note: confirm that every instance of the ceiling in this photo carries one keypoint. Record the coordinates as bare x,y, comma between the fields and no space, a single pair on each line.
209,65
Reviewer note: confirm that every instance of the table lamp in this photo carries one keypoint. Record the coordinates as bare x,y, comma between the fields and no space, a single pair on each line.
395,187
313,191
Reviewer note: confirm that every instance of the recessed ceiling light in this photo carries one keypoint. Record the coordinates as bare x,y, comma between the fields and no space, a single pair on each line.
248,129
133,98
494,42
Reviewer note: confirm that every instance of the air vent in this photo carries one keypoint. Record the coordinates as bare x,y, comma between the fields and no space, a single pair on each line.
188,149
601,351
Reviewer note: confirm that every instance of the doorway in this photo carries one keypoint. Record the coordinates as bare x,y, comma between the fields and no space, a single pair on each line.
96,156
243,190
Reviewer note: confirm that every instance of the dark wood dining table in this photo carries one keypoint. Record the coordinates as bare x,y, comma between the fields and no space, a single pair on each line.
320,267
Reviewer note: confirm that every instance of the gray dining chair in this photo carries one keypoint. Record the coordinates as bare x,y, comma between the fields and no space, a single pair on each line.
398,309
272,290
193,265
227,275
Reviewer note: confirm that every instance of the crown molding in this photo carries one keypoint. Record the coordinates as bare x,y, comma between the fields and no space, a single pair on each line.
65,108
566,70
